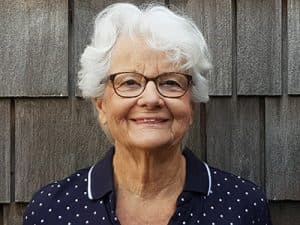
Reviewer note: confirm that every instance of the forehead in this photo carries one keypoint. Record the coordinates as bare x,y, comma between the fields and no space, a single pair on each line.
133,54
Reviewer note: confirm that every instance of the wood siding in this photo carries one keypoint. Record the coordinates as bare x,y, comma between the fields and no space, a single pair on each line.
250,126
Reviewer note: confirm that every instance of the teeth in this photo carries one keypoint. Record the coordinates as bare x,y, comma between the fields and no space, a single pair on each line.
149,120
152,120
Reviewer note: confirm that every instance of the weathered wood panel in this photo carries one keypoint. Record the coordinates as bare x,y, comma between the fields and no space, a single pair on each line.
53,139
85,12
285,213
34,48
234,136
282,148
1,215
13,214
259,47
214,18
293,30
5,142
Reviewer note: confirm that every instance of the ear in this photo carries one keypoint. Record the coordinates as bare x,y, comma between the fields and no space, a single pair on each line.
101,108
193,108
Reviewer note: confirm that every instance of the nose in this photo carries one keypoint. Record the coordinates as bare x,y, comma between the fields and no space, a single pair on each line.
150,96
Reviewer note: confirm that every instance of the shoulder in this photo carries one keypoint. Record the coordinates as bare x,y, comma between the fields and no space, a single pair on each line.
55,195
234,193
222,180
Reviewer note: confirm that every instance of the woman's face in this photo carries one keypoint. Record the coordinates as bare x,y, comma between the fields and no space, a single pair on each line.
148,121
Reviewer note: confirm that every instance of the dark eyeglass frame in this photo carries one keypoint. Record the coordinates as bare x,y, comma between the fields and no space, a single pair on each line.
111,77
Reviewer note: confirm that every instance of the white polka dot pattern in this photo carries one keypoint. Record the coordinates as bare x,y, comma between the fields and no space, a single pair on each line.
232,200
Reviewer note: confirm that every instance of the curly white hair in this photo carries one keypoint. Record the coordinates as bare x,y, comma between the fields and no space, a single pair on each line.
162,30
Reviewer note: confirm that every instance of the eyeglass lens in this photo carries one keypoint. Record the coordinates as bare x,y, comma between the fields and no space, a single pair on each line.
130,84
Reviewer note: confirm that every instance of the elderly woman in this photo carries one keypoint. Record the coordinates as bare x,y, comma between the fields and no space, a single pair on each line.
143,72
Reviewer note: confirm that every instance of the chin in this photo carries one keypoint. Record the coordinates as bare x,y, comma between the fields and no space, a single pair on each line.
151,143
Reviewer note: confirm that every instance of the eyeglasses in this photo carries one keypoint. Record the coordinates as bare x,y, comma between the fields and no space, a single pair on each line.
132,84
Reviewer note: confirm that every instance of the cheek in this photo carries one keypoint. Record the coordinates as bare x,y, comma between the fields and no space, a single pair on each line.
118,111
183,118
116,115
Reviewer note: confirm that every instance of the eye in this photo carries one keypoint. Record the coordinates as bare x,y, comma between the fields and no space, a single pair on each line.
130,82
127,82
171,83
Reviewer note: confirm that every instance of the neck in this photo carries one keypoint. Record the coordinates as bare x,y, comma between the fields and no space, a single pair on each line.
149,173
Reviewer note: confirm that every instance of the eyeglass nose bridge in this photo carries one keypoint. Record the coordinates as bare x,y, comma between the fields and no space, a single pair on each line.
147,79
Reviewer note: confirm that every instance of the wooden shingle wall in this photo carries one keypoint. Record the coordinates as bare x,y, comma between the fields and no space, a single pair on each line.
251,126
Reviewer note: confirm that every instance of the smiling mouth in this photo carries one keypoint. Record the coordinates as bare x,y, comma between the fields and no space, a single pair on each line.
150,120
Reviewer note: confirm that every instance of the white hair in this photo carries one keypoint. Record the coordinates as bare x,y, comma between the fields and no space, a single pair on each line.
162,30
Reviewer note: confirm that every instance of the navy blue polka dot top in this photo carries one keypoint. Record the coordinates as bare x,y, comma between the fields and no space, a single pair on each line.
209,197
